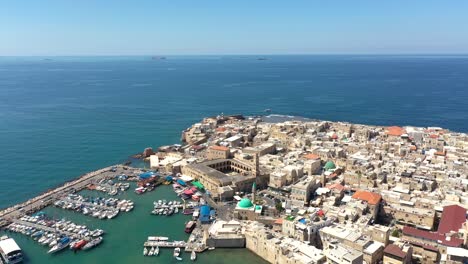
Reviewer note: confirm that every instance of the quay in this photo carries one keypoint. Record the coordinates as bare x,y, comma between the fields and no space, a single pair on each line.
165,244
196,241
8,215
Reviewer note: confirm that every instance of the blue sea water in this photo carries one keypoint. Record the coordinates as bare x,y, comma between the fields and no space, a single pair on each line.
64,116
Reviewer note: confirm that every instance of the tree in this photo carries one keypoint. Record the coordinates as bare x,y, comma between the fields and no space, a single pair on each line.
279,206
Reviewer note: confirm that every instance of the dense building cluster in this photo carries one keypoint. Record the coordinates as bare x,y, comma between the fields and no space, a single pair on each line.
332,192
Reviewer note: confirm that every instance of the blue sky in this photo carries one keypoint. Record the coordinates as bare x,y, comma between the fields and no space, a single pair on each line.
147,27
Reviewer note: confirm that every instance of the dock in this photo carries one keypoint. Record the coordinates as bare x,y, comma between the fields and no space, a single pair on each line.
196,241
165,244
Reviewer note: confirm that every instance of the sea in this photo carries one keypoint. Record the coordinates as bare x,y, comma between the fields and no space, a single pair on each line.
63,116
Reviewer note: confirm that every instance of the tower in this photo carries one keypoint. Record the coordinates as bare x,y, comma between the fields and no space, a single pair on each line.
256,169
254,189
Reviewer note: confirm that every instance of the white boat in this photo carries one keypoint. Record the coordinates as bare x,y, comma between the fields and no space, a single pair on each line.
156,251
145,251
178,258
176,252
193,256
211,248
63,243
157,238
151,252
10,252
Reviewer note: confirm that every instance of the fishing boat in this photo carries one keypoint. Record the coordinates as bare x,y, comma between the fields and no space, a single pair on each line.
193,256
176,252
61,244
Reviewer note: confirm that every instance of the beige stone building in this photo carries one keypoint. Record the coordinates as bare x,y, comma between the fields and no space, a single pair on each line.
217,152
223,177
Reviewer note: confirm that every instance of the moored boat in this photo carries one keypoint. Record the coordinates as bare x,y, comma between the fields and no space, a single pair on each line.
193,256
92,243
80,244
156,251
61,244
176,252
190,226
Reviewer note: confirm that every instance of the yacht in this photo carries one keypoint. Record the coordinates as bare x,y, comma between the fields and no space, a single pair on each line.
62,243
92,243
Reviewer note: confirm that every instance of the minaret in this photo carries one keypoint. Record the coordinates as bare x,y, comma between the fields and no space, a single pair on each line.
254,189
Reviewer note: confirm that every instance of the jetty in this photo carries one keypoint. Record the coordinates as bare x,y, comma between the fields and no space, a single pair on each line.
165,244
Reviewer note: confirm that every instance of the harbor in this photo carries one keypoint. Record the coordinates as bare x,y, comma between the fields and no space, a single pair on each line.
135,225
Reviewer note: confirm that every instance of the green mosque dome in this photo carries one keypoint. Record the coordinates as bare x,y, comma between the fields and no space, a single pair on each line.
329,165
245,203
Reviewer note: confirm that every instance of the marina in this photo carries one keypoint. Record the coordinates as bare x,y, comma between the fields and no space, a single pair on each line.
102,208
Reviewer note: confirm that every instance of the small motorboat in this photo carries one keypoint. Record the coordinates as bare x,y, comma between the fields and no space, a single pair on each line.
176,252
178,258
145,252
156,251
193,256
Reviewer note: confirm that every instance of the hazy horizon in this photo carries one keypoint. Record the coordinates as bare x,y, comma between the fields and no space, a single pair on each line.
109,28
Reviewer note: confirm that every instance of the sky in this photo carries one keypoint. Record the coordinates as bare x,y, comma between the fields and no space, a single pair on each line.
154,27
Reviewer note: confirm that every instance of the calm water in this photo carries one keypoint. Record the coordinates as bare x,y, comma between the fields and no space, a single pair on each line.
62,117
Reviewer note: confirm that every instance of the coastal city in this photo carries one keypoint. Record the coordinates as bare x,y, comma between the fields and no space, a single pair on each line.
290,190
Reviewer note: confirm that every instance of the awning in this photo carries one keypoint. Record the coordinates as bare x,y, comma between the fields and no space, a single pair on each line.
181,182
198,184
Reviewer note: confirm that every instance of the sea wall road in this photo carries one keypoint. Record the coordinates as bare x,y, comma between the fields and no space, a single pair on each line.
37,203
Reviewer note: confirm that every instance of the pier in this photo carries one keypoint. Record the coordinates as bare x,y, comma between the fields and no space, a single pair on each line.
165,244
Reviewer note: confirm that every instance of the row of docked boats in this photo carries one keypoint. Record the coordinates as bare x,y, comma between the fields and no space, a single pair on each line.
57,235
102,208
162,207
154,251
57,241
112,188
